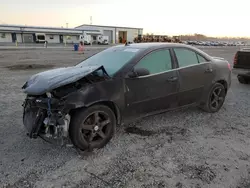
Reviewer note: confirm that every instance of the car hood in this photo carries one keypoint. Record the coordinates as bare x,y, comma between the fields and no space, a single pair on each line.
46,81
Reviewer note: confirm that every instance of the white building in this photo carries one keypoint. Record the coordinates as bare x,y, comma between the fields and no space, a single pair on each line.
29,34
113,32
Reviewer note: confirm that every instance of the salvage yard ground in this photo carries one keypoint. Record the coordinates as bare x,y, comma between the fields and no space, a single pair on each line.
184,149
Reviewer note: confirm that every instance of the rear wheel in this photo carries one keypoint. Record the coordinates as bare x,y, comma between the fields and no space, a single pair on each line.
215,98
243,79
92,127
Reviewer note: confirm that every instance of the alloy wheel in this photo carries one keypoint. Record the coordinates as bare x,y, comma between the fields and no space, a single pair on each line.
217,98
96,127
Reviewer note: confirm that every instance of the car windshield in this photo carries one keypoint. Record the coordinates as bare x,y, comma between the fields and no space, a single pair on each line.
113,59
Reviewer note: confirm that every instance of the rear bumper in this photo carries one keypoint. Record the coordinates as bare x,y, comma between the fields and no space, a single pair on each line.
240,71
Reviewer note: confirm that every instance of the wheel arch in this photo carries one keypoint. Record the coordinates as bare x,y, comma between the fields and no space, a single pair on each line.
107,103
205,101
224,83
207,91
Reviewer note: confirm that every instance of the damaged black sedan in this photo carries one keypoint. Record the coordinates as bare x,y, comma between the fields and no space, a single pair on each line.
87,101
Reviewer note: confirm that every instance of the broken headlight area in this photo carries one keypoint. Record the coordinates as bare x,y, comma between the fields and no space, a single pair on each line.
47,106
45,116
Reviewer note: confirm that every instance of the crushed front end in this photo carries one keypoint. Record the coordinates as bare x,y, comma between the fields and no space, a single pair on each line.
52,95
45,116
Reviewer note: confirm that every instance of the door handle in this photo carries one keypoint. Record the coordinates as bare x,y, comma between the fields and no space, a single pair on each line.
172,79
208,70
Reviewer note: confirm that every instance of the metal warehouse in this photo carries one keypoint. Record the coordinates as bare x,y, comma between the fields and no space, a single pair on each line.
30,34
114,33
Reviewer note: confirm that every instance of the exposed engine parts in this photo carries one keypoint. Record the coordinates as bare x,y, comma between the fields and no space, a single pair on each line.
41,118
56,126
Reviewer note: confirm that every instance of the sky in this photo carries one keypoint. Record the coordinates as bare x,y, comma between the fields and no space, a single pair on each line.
166,17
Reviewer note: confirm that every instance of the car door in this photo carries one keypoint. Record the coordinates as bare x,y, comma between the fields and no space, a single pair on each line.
156,91
195,73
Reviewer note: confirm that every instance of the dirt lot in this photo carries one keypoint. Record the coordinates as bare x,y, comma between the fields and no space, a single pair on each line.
183,149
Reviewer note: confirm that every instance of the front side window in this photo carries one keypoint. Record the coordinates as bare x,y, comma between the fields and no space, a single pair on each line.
185,57
156,62
112,59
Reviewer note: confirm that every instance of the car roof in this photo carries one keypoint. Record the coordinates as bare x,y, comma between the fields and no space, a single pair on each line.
153,45
156,45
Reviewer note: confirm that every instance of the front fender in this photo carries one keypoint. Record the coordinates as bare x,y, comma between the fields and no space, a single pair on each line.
81,99
109,92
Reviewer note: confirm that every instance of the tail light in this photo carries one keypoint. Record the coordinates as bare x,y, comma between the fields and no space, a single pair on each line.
236,58
228,65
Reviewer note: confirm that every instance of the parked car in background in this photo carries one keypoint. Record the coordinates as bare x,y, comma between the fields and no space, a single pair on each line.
102,39
85,102
241,65
207,43
215,43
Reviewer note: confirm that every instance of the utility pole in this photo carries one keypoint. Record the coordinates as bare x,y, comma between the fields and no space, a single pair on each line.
90,20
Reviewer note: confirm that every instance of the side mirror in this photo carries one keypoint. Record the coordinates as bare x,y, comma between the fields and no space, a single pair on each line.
138,72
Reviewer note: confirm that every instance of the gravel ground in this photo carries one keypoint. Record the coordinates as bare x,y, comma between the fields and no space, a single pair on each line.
184,149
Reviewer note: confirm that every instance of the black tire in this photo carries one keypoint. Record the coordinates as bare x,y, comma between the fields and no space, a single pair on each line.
209,105
81,135
243,79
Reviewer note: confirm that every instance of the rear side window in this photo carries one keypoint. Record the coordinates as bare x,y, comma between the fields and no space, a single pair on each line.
185,57
201,59
156,62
